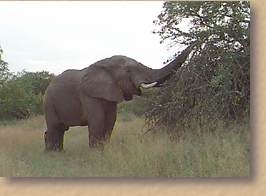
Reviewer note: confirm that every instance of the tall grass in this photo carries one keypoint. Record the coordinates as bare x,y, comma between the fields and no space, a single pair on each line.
212,153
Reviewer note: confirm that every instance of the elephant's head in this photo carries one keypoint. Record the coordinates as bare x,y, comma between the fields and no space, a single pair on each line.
118,78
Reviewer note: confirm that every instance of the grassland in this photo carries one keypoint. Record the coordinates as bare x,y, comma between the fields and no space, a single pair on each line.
221,152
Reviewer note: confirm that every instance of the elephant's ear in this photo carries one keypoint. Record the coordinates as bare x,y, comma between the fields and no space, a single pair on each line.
97,82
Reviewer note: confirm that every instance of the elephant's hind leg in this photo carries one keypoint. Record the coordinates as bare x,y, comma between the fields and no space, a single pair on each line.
54,134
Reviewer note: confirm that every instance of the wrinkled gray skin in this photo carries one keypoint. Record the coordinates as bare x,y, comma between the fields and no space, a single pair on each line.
89,97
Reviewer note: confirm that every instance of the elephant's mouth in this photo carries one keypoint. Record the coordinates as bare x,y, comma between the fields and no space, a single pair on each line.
128,97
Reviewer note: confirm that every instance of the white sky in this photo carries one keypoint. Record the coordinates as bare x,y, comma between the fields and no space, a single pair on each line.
55,36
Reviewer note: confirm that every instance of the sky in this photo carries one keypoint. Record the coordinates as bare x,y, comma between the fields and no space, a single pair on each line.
55,36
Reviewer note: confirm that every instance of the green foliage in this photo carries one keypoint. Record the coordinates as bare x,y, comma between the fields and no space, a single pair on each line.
35,82
4,71
17,100
136,106
13,101
21,95
215,83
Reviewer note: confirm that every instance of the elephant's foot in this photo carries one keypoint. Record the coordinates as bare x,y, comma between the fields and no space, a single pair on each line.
53,143
53,148
96,143
98,146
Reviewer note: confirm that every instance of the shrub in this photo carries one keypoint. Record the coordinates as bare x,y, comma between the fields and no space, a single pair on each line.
215,82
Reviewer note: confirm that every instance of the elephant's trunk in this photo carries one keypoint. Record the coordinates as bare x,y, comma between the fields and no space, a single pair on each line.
161,75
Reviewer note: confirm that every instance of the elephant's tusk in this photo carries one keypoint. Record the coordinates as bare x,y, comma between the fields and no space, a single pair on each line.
148,85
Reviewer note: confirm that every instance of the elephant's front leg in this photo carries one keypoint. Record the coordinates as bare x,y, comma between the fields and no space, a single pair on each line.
111,112
96,122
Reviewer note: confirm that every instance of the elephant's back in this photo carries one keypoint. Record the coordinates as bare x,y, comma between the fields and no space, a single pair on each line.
66,82
68,77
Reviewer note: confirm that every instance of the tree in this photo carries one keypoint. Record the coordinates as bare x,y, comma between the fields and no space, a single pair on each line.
35,82
4,71
21,95
215,81
15,101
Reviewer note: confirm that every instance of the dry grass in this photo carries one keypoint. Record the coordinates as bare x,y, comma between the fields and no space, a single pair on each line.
217,153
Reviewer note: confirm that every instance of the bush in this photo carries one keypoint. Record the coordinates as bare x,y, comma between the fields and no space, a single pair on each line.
22,95
14,101
138,105
215,82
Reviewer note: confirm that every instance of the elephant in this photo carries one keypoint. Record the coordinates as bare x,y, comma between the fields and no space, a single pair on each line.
89,97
